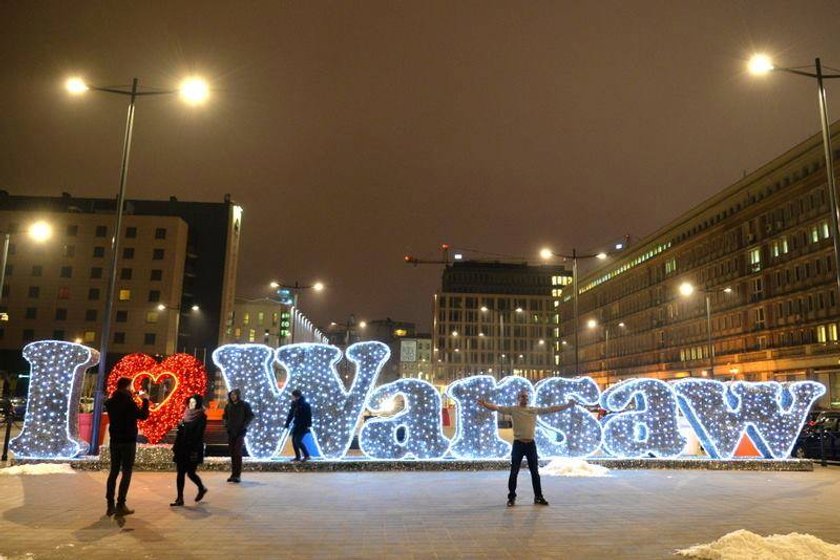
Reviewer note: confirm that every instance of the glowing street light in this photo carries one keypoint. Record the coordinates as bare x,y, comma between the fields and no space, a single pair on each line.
193,93
687,289
591,323
39,232
761,64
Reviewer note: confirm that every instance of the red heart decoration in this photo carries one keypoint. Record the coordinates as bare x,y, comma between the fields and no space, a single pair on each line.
190,379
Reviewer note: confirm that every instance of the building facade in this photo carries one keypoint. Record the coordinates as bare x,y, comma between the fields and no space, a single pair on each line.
416,357
760,251
497,319
176,273
270,322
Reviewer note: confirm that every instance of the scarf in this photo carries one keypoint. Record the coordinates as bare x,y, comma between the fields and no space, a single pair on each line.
191,414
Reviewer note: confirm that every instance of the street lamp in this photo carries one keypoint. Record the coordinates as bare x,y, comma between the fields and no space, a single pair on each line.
547,253
761,64
193,91
687,289
593,324
39,232
289,294
501,338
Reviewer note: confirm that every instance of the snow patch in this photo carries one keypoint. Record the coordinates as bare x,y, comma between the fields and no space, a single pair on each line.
38,468
746,545
573,467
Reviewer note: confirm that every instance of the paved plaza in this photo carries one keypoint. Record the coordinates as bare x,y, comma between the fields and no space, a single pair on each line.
408,515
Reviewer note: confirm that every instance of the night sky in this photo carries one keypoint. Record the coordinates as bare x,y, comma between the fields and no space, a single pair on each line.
354,133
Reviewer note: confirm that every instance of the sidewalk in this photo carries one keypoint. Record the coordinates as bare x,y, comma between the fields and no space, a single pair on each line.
411,515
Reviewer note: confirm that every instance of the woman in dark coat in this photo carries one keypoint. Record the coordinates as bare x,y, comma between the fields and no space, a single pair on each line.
189,447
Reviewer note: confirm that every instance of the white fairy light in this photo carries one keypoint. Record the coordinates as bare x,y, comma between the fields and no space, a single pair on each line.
770,413
477,434
649,428
335,410
51,425
415,431
248,367
573,432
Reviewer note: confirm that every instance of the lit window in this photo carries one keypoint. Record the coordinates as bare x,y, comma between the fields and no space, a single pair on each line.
89,336
125,295
152,317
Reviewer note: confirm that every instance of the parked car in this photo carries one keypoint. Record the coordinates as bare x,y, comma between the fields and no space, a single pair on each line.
821,429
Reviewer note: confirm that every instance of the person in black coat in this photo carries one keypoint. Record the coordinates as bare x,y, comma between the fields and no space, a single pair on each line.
123,414
236,417
189,448
300,417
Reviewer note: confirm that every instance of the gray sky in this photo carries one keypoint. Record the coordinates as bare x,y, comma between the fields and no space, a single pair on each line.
355,133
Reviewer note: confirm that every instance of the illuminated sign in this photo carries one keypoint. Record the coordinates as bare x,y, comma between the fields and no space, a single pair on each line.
641,418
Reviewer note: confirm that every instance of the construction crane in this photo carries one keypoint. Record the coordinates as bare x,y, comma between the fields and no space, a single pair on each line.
444,257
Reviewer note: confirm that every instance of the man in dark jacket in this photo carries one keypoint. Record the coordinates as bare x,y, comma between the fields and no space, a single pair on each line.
123,414
236,417
301,414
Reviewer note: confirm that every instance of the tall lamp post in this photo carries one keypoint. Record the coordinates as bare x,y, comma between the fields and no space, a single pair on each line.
39,231
501,353
288,294
546,254
193,91
687,289
593,324
761,64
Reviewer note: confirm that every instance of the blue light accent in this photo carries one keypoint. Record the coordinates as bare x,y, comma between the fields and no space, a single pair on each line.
51,425
649,427
574,432
414,432
772,414
335,410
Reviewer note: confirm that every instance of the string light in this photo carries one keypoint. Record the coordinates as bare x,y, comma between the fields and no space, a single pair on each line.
51,425
336,411
573,432
649,427
477,434
770,413
415,431
248,367
188,377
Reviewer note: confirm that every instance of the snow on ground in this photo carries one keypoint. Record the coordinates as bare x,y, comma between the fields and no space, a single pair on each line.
39,468
745,545
573,467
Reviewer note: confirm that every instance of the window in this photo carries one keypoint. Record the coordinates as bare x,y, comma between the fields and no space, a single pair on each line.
154,295
152,317
246,318
125,274
66,272
9,269
160,233
93,294
37,270
758,317
119,338
122,316
31,313
72,231
815,234
58,335
832,332
670,265
757,288
131,232
98,252
28,335
260,318
157,254
89,336
61,314
252,335
128,252
95,272
755,259
34,292
156,275
90,315
125,295
64,293
821,333
824,230
149,338
69,250
101,231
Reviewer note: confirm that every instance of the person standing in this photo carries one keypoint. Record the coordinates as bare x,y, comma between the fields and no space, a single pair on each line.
524,426
189,448
300,417
236,417
123,414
